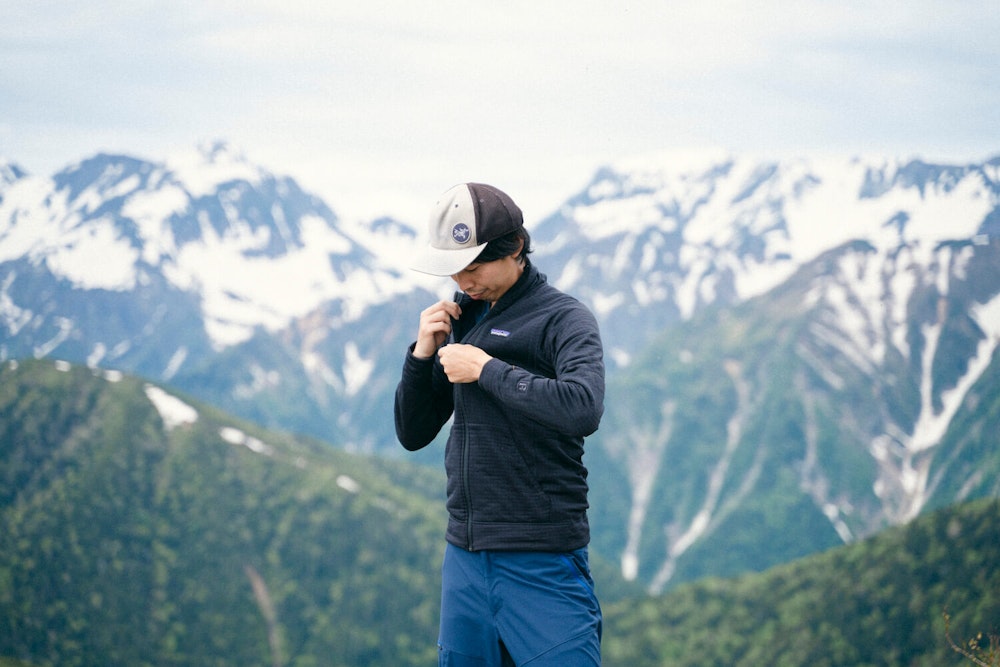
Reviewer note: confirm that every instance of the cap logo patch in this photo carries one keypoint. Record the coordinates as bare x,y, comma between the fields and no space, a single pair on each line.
461,233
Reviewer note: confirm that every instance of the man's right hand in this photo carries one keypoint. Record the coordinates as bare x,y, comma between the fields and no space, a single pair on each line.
435,325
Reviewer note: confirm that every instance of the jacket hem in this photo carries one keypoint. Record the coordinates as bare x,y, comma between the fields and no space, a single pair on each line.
492,536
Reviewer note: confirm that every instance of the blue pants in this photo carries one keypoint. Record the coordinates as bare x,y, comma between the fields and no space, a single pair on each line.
520,609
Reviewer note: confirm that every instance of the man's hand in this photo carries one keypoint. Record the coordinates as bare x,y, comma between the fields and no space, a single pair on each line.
435,325
462,363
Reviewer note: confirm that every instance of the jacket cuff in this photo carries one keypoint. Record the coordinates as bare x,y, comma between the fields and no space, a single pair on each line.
492,375
416,364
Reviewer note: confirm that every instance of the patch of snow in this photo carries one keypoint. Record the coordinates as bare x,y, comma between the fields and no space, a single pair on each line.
902,283
94,256
357,369
348,484
176,360
241,291
201,170
833,515
680,539
112,376
931,427
970,484
151,210
120,349
905,459
65,329
173,411
610,217
12,316
987,316
235,436
642,448
95,356
260,380
604,304
571,273
621,357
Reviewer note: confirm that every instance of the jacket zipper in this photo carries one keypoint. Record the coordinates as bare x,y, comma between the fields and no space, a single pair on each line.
466,446
468,491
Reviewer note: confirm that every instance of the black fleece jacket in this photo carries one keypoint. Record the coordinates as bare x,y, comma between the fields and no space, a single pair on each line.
514,457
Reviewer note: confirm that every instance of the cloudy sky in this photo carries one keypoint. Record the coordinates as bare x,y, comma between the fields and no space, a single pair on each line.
380,105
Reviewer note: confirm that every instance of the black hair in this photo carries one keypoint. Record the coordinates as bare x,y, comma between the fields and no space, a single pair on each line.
505,246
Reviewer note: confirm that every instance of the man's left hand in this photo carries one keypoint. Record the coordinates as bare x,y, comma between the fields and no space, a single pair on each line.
462,363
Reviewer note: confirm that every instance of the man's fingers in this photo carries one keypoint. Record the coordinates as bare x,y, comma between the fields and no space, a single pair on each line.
449,308
435,325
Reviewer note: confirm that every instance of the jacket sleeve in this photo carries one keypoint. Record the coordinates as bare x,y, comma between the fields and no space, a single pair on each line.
424,401
572,402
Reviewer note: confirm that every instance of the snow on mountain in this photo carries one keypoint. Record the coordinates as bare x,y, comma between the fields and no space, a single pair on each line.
200,171
9,172
761,221
885,271
685,232
257,250
867,314
173,411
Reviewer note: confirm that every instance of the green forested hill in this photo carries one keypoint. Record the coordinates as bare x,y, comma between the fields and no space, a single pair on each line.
132,534
123,542
875,603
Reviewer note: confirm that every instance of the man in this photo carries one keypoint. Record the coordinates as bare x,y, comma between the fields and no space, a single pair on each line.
520,366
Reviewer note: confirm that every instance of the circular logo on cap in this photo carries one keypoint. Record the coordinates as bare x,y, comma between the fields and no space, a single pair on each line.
461,233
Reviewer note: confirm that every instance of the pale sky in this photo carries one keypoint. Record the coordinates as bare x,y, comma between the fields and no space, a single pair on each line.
379,106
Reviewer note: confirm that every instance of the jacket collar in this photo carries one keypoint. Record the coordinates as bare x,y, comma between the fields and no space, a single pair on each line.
530,279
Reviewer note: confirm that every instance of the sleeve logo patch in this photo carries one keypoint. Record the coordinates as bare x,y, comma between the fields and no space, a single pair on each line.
522,386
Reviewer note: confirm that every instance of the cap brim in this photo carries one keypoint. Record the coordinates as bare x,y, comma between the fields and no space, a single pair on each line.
438,262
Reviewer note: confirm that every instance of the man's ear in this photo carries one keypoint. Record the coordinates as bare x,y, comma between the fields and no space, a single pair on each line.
520,247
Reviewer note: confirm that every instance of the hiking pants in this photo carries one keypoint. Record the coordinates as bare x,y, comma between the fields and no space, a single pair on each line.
522,609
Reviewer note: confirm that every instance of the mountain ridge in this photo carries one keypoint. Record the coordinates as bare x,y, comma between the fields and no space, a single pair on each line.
791,410
842,313
141,527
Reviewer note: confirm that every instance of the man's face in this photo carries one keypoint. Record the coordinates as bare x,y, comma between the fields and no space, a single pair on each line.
490,280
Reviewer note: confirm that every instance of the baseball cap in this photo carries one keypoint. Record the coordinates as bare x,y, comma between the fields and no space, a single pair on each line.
464,219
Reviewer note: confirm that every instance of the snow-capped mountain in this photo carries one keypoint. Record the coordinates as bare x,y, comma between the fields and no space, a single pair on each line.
849,378
174,269
256,250
659,238
801,341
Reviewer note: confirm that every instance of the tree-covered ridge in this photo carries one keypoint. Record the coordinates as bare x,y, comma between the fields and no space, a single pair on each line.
129,536
124,542
877,603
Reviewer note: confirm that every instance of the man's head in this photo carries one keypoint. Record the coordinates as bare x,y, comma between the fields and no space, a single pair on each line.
472,223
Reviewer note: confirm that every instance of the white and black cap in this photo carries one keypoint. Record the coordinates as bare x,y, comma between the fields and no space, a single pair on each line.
465,218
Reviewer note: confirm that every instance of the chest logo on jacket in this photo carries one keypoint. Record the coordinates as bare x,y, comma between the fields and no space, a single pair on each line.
499,332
